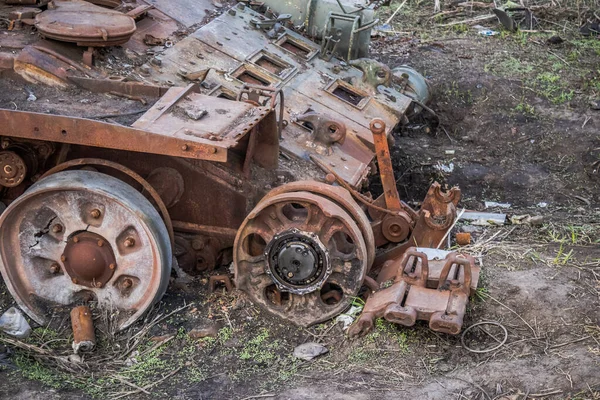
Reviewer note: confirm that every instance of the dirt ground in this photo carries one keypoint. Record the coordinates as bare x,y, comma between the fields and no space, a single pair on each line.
516,126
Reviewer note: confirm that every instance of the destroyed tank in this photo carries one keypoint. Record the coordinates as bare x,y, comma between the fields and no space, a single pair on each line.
265,125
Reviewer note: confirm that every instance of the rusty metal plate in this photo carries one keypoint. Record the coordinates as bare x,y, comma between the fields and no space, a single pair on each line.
77,21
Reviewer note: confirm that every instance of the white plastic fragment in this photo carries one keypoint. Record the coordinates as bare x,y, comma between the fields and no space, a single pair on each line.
444,167
493,204
13,323
433,254
309,351
348,318
484,219
542,204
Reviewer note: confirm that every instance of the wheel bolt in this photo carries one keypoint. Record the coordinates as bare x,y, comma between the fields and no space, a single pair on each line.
112,266
55,268
129,242
57,228
96,213
127,283
100,243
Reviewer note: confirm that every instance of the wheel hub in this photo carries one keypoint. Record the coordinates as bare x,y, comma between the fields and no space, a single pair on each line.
297,261
12,169
89,259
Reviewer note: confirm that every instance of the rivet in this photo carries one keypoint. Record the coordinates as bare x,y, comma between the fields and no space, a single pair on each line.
76,239
184,147
112,266
96,213
57,228
127,283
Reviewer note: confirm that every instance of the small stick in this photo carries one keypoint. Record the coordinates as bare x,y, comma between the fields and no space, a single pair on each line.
126,382
259,396
116,115
556,346
514,312
395,12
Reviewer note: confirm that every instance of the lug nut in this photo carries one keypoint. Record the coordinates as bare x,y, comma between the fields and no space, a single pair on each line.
127,283
129,242
55,268
95,213
57,228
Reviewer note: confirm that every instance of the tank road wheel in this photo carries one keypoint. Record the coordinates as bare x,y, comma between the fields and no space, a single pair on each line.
79,236
301,257
341,197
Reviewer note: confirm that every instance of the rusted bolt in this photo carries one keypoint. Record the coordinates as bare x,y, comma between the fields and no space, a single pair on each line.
127,283
112,266
8,169
57,228
96,213
63,258
330,178
129,242
184,147
100,243
75,281
198,244
213,150
99,284
55,268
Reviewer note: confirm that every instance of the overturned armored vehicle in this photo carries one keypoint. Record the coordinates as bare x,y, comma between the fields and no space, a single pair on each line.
264,127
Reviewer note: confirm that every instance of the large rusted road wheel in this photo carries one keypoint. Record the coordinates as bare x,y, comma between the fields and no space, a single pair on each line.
80,236
301,257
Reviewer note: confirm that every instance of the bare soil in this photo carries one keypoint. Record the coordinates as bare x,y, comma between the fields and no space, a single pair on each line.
516,127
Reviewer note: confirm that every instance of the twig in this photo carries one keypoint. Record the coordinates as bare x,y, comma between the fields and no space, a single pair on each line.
259,396
395,12
514,312
150,385
467,21
556,346
126,382
452,227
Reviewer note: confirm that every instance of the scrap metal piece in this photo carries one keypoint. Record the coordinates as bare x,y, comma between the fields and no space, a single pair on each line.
214,280
437,292
83,23
84,337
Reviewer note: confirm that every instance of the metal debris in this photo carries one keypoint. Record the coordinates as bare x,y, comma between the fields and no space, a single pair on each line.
84,337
